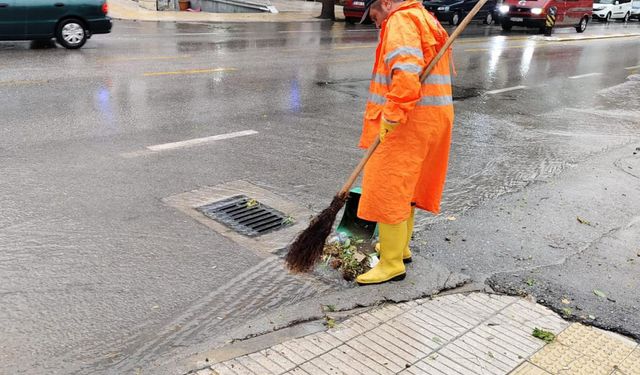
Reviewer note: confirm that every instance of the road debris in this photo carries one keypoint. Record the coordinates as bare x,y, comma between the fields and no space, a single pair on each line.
348,255
543,335
583,221
330,322
567,311
599,293
330,308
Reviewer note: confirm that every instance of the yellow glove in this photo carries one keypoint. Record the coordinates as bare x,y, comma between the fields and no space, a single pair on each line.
386,127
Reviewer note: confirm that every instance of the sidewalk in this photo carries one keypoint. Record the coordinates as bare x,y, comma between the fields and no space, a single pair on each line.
456,334
290,11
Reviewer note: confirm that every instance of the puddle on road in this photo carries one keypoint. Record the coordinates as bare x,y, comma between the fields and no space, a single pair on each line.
494,154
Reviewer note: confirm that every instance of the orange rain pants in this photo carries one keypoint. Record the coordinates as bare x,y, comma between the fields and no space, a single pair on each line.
411,164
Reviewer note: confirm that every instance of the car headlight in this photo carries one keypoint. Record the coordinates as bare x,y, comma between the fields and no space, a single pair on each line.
446,9
536,11
504,9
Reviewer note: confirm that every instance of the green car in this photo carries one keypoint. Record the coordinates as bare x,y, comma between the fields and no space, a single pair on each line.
71,22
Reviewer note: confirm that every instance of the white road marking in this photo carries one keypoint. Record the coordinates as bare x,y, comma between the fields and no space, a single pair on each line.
633,67
136,154
585,75
506,89
198,141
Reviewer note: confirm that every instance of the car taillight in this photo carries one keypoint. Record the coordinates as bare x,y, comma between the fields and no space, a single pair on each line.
105,8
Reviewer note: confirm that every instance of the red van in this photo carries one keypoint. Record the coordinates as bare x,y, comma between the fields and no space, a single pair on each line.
353,11
546,14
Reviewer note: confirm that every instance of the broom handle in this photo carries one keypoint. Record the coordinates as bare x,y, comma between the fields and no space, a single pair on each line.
356,172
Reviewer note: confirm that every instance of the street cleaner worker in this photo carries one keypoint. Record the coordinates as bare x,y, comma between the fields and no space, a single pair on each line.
414,121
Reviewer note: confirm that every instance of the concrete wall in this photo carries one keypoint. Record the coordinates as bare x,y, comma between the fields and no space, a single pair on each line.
223,6
213,6
148,4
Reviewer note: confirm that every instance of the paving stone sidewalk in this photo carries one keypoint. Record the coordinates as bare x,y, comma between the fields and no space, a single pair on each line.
472,334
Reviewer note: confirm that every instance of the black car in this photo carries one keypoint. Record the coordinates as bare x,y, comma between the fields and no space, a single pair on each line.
454,11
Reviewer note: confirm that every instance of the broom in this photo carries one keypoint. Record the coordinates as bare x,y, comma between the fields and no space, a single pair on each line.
307,249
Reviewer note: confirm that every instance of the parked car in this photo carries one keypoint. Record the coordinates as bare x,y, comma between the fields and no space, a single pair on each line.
454,11
635,10
607,10
533,14
70,22
353,11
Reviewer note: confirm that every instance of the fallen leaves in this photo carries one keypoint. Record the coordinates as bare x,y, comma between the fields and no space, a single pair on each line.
583,221
330,322
252,203
543,335
346,255
599,293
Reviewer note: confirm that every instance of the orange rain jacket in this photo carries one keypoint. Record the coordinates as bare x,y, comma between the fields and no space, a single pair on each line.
411,164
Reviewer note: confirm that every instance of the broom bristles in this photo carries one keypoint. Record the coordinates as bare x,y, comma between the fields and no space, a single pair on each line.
307,249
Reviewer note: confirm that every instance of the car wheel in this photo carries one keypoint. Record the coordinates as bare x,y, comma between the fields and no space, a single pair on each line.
71,34
626,18
506,26
607,19
488,19
582,26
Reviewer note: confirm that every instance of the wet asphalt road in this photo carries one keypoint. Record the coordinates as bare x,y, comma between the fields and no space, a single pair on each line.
93,264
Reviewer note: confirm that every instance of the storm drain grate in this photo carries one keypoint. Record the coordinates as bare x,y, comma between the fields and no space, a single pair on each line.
246,216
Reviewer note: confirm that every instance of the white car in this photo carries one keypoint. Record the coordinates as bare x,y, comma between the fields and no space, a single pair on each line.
635,9
606,10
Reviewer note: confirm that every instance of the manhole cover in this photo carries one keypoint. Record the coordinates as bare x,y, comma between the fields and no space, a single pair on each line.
245,215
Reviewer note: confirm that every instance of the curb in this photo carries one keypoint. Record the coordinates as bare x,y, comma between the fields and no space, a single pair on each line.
455,334
169,19
122,10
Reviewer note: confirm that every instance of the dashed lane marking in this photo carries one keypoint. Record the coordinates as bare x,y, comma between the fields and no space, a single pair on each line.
23,82
199,141
506,89
585,75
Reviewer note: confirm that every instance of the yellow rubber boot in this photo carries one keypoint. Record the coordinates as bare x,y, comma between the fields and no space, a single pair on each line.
390,268
406,252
